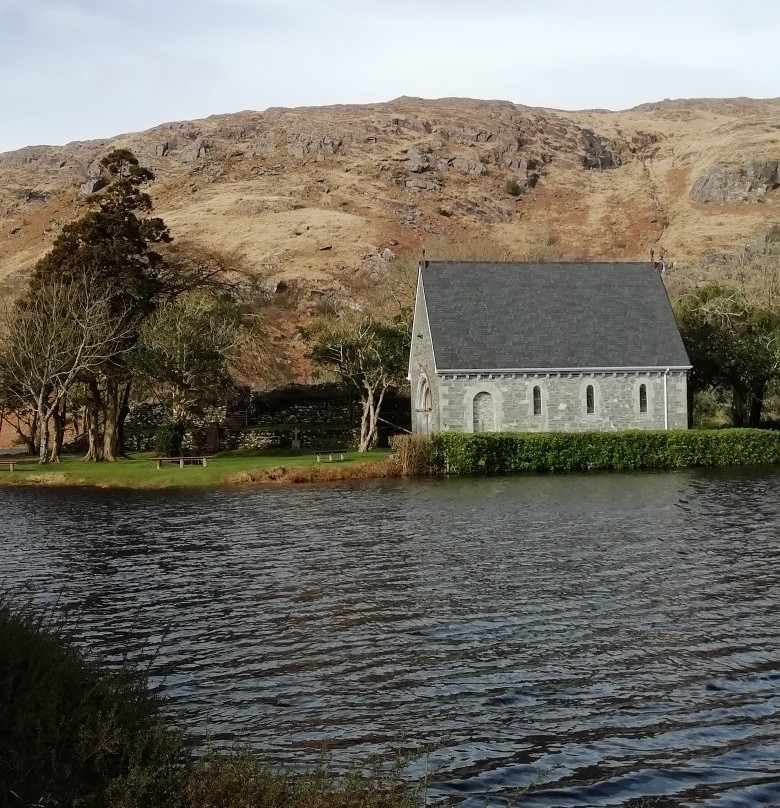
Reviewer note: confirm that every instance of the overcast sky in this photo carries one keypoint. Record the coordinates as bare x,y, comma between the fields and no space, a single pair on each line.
81,69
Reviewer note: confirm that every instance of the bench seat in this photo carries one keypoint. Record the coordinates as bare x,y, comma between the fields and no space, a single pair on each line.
182,461
330,452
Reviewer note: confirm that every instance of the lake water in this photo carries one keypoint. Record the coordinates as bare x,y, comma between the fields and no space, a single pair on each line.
579,640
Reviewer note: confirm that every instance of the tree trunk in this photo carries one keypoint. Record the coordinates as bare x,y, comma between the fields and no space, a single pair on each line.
738,408
93,421
31,439
124,411
111,422
28,436
369,421
374,438
691,404
58,416
365,421
756,408
43,431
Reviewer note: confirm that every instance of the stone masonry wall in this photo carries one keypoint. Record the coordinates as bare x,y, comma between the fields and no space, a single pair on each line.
421,366
563,398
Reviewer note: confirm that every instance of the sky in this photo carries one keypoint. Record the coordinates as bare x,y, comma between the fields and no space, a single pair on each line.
83,69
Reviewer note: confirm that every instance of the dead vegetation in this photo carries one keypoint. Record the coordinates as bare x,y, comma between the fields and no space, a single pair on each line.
324,209
332,472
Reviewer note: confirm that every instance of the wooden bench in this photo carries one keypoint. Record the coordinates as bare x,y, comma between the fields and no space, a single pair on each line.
182,461
12,464
330,453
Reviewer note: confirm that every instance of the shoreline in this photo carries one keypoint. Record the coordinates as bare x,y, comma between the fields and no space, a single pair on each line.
137,474
448,454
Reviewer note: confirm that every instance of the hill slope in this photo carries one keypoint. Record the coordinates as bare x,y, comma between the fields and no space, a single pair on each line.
320,200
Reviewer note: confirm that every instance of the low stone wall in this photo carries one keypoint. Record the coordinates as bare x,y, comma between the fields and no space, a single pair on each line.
274,436
310,437
322,416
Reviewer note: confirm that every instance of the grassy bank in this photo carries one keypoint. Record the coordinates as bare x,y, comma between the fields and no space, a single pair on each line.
415,455
139,470
75,732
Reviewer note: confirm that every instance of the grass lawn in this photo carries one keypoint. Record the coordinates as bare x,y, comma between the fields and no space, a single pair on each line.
140,470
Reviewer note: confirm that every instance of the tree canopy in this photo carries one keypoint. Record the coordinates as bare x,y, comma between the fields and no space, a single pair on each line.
104,284
733,345
182,350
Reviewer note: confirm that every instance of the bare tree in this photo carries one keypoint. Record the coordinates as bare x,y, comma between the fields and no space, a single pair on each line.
61,330
368,357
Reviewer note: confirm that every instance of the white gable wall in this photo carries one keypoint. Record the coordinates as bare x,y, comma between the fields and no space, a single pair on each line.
422,370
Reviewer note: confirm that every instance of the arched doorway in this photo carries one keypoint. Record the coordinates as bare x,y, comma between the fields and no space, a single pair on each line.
424,406
484,413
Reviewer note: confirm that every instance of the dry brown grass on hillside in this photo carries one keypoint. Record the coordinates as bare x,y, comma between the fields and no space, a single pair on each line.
330,207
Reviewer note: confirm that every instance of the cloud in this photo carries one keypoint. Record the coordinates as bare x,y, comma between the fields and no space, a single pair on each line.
86,68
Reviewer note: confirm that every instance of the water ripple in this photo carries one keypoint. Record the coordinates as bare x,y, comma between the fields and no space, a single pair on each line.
554,641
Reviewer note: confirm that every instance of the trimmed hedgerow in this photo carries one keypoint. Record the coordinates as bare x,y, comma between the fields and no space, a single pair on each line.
513,453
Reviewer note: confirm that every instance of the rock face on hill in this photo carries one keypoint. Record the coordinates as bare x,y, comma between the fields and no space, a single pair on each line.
330,207
737,182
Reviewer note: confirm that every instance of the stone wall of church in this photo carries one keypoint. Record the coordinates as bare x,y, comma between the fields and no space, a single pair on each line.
425,419
505,403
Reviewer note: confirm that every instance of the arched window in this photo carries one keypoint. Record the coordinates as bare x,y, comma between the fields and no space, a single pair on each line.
537,400
424,400
642,398
590,403
484,413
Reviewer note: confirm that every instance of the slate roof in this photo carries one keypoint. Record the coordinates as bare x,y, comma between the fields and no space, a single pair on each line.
523,316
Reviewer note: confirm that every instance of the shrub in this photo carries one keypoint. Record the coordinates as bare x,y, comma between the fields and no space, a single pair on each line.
511,453
513,187
413,454
71,727
74,732
168,439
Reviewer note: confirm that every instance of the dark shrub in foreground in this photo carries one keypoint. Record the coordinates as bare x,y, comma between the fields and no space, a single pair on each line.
75,733
512,453
70,728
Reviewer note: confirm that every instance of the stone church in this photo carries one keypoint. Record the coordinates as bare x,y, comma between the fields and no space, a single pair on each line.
499,347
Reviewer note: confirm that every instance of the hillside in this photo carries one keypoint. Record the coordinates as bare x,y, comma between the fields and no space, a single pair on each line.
329,206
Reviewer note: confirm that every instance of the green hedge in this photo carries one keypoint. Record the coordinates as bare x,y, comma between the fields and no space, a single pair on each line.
513,453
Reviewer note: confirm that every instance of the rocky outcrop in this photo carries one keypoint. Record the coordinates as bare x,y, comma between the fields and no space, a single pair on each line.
431,182
301,144
91,186
417,161
28,195
736,182
197,150
600,153
472,168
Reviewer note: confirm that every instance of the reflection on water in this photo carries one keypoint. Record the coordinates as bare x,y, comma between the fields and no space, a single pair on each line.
591,639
